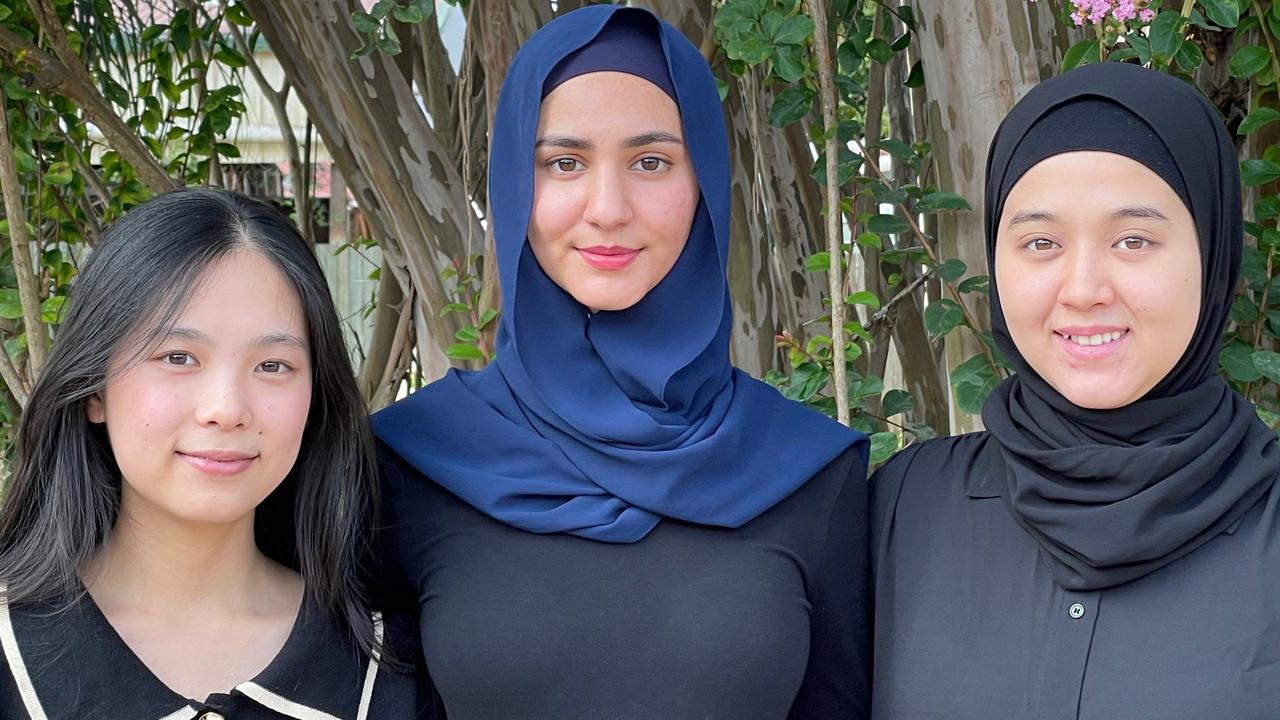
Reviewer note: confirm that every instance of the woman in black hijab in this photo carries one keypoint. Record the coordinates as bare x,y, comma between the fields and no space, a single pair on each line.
1109,547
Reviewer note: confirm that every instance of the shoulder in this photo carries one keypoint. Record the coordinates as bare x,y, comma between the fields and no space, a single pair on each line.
932,472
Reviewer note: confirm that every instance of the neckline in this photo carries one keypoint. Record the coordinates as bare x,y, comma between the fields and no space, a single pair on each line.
112,635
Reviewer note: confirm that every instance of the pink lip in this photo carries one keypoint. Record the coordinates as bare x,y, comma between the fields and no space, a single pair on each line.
218,462
608,257
1090,352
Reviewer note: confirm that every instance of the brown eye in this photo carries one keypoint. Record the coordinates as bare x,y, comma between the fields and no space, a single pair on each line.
650,164
566,165
1041,244
178,358
1134,243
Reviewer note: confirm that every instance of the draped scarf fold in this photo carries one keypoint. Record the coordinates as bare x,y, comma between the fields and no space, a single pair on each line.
602,424
1112,495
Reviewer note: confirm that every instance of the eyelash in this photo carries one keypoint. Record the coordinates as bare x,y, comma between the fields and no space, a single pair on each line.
554,164
283,367
1030,244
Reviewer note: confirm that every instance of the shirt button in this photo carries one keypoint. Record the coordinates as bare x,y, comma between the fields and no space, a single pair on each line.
210,716
1076,611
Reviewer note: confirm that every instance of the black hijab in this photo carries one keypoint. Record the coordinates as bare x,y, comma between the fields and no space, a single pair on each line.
1111,495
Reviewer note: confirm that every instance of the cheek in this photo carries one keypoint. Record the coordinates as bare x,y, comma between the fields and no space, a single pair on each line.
555,211
1027,295
282,419
670,211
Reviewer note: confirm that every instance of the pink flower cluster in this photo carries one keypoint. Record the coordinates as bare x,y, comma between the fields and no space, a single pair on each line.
1096,11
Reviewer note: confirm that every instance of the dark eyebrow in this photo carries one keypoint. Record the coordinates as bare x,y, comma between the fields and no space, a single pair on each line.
275,338
573,143
649,138
1031,216
1142,212
564,142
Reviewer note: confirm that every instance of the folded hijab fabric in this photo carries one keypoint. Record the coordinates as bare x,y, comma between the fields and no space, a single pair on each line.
1111,495
602,424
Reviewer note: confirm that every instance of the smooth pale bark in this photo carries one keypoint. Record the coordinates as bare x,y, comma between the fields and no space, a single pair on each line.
979,58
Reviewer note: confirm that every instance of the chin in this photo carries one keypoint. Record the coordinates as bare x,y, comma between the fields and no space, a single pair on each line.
1106,395
608,300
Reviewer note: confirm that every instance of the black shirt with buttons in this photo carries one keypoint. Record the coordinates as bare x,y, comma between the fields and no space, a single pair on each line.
970,625
66,661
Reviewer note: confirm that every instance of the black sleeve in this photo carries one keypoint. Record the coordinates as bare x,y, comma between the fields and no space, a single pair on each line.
837,681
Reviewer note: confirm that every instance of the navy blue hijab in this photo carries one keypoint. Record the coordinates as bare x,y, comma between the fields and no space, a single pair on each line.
601,425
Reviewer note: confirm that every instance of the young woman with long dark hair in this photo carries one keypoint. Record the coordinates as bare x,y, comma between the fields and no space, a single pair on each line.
182,533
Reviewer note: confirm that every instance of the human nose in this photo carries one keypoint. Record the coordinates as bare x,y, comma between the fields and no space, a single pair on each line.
1086,280
608,201
223,402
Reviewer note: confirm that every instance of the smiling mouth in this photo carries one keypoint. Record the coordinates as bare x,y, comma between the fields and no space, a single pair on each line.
218,463
1096,339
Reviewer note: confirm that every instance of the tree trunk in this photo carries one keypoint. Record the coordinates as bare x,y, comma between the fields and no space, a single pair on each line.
400,173
979,58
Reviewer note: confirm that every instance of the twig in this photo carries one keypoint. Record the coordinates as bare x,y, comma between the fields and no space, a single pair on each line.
13,379
883,312
395,356
835,252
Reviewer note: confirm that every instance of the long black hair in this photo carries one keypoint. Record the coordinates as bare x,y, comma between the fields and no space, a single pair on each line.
64,494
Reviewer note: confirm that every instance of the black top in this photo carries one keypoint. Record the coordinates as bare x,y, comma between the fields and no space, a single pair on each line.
75,665
768,621
970,623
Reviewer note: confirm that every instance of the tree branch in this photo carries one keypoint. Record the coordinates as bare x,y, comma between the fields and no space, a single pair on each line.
834,240
55,74
28,285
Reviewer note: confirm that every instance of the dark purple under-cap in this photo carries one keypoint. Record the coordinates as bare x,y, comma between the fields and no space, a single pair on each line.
628,43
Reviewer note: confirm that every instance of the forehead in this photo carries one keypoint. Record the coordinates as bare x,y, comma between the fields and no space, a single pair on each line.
243,290
608,100
1090,180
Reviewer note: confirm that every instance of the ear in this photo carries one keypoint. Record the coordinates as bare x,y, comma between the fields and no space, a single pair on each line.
95,410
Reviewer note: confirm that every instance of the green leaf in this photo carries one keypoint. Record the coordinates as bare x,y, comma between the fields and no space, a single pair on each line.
229,57
58,174
788,63
818,262
1223,13
1249,61
51,309
1236,360
1258,118
467,334
941,317
1268,363
1079,54
487,317
883,446
791,105
977,283
807,380
861,388
935,201
915,78
1189,57
1166,33
849,57
1257,172
462,351
409,14
887,224
25,161
452,308
864,297
870,239
388,45
897,148
147,35
794,31
897,401
10,304
970,397
879,50
951,270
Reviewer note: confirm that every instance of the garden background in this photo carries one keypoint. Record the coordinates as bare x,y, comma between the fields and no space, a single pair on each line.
858,128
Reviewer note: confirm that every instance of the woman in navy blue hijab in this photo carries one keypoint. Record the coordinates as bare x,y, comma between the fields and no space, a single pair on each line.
610,520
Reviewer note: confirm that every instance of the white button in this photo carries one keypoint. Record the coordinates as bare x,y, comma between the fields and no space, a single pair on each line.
1076,611
210,716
